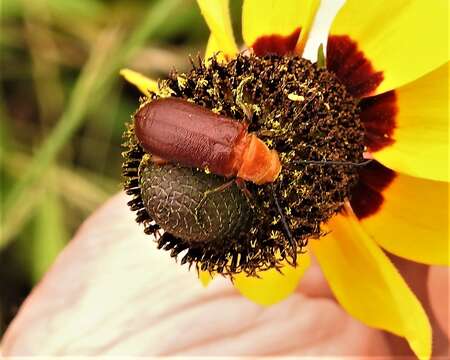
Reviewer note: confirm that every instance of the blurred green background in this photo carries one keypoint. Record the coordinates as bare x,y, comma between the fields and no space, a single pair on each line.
63,107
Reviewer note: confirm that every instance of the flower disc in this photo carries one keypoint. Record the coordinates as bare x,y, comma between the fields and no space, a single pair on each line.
298,109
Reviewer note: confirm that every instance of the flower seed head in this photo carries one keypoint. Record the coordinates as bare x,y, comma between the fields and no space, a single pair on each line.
299,110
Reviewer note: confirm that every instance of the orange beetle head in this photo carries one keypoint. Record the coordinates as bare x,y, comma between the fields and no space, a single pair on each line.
260,165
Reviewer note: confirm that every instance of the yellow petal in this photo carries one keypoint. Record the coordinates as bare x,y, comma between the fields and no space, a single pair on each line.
217,16
309,9
143,83
205,277
412,221
404,39
421,133
272,287
213,48
368,286
261,19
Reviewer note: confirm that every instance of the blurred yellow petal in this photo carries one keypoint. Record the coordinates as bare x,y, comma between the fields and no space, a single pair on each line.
270,26
272,287
143,83
205,277
405,39
421,135
412,221
213,48
217,16
368,285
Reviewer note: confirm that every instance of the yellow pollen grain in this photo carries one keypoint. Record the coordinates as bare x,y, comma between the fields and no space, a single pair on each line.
202,83
165,92
217,110
295,97
274,235
182,81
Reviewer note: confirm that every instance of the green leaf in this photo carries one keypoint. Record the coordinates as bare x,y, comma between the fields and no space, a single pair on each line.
10,8
96,79
83,9
321,59
82,189
50,234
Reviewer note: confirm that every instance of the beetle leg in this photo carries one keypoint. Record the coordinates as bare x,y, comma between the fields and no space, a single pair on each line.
287,231
265,132
241,184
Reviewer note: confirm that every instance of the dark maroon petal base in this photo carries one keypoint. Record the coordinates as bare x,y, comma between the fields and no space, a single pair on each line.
367,196
276,44
378,116
352,68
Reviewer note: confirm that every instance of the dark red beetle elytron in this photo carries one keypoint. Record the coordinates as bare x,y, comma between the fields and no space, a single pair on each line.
178,131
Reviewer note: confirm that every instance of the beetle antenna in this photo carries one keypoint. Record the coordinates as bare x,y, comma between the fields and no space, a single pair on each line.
286,227
331,162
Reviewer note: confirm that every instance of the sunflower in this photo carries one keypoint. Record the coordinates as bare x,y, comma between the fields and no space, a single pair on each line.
391,57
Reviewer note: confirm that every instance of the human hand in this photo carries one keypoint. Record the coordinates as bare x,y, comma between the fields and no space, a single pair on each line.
112,293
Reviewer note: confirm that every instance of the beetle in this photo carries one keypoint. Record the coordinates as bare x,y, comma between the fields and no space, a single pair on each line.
175,130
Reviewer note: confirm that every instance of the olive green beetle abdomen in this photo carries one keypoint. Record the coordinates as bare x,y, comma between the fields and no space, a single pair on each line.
172,196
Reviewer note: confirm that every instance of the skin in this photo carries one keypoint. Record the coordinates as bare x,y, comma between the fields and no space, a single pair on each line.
438,278
111,292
